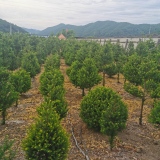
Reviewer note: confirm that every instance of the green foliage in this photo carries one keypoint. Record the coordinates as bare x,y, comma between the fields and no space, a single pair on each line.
52,62
103,110
143,72
56,96
56,92
58,105
148,69
118,51
113,119
6,151
154,116
107,54
7,55
131,70
51,86
21,81
49,80
84,75
150,44
88,75
110,69
69,50
130,49
142,49
97,101
7,93
46,139
45,47
13,47
72,72
30,64
153,88
150,76
82,53
134,90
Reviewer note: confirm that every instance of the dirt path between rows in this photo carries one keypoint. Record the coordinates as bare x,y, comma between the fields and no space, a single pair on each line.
134,143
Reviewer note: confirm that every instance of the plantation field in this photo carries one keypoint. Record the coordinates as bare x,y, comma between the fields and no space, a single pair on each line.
134,143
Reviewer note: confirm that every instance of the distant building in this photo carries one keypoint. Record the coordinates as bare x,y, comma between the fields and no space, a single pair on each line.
61,36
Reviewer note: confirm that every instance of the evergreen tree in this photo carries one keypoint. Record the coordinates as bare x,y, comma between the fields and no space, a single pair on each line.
52,62
144,78
106,58
49,80
21,81
7,93
103,110
30,64
110,69
84,75
46,139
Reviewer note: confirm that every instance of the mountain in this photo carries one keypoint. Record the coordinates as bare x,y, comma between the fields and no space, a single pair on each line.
5,27
103,29
32,31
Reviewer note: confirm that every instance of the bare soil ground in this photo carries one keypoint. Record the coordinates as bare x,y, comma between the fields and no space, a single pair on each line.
134,143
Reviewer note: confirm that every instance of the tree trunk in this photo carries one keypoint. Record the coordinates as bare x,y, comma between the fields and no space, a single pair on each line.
83,93
103,78
141,113
16,103
3,116
111,141
118,78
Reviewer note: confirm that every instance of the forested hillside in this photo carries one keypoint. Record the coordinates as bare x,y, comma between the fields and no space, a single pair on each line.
5,27
103,29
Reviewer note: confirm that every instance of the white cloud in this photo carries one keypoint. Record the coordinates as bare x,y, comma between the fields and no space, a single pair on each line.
40,14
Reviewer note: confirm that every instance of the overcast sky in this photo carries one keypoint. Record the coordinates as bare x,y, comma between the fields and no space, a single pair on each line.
40,14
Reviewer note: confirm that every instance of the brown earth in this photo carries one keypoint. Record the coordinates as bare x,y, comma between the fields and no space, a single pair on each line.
134,143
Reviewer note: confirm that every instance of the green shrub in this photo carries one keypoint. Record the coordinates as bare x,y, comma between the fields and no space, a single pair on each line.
113,119
134,90
50,79
8,95
84,74
46,139
111,69
59,105
21,80
154,116
56,92
103,110
30,64
52,62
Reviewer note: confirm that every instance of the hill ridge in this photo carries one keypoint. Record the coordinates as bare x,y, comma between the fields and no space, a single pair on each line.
5,27
103,29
